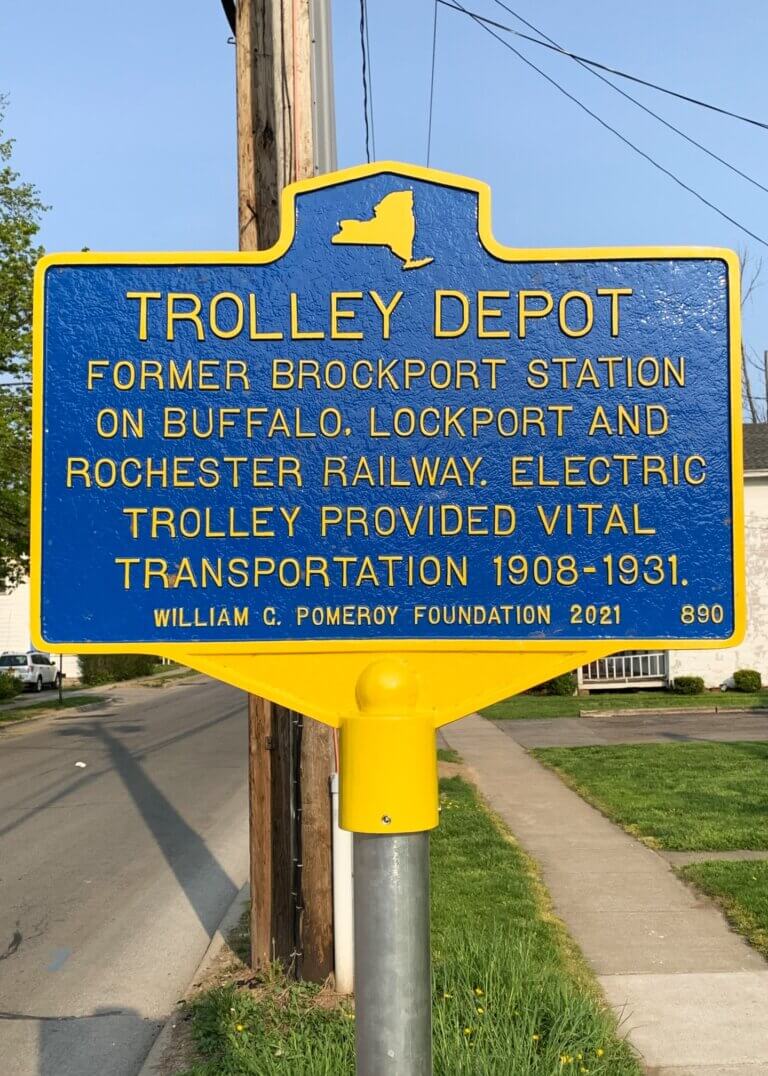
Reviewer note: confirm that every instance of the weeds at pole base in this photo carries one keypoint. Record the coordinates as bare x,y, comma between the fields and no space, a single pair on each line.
511,991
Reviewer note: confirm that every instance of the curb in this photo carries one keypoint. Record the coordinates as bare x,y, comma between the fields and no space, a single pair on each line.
45,712
99,689
721,711
230,920
174,674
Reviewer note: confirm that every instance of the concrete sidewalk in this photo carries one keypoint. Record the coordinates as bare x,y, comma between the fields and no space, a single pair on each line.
693,996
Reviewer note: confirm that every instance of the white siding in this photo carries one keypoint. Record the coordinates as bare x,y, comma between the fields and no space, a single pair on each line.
14,627
715,666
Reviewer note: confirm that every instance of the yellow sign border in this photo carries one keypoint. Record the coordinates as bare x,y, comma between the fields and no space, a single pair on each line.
497,250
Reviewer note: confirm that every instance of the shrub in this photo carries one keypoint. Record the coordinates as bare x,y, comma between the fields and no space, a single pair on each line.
565,684
688,685
9,686
105,668
747,680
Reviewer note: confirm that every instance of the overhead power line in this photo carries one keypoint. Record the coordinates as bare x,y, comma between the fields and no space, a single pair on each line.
367,104
370,78
550,42
554,47
432,85
604,123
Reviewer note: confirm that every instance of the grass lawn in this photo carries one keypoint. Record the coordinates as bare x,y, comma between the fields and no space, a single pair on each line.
687,796
527,706
741,890
511,992
20,713
447,754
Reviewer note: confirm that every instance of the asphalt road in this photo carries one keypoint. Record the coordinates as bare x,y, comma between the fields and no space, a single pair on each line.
114,876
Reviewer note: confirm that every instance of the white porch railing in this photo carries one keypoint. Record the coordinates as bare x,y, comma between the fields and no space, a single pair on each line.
642,668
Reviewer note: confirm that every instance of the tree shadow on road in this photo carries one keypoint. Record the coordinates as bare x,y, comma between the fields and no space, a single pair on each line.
87,779
197,870
106,1042
114,1041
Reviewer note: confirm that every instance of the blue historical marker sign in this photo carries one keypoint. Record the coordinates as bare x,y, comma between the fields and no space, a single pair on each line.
388,427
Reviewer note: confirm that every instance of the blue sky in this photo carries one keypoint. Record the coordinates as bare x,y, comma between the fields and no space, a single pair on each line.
123,115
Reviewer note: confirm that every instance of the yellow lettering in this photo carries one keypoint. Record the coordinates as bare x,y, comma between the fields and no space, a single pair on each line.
615,294
143,297
524,312
337,313
95,374
216,329
296,332
562,313
484,312
253,320
127,563
538,378
463,301
386,310
78,467
173,315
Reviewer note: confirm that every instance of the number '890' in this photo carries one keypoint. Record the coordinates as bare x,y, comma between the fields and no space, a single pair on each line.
702,614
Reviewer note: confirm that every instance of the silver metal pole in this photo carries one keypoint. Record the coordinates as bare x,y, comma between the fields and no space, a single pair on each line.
323,100
393,975
393,988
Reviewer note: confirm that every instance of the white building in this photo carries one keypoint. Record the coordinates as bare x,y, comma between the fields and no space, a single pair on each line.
14,628
637,668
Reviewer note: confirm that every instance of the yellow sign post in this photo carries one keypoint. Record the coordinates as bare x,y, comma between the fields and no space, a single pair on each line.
386,473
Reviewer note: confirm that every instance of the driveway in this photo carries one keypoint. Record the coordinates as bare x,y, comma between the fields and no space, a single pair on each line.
651,728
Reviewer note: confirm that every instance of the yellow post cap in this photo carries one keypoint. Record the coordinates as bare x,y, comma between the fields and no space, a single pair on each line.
388,756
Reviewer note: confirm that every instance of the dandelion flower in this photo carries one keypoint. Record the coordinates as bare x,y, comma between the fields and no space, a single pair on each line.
480,1010
535,1037
239,1027
467,1030
447,995
479,991
599,1051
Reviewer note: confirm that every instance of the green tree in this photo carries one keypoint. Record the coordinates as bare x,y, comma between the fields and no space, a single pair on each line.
20,213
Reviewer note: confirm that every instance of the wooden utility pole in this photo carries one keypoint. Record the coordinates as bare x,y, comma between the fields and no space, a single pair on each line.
317,765
276,147
269,773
